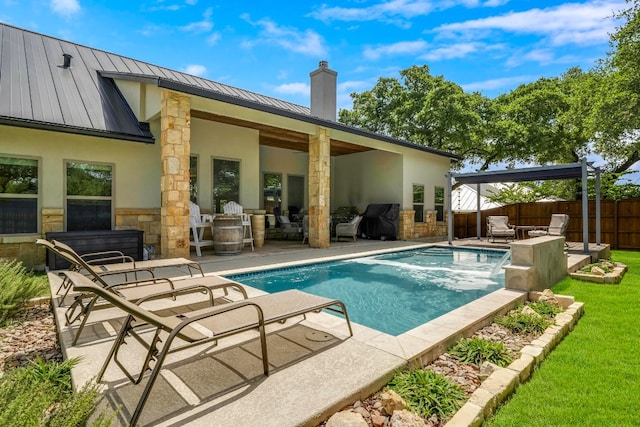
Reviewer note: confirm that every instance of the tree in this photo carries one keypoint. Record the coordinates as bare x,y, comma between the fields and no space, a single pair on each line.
614,121
423,109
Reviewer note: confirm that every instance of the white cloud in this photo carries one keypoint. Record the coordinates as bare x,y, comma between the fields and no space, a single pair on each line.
306,42
541,56
394,11
195,69
458,50
200,26
493,84
65,7
293,89
191,2
570,23
397,12
213,38
400,48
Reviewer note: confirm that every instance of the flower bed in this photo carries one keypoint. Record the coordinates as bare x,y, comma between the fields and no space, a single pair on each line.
605,272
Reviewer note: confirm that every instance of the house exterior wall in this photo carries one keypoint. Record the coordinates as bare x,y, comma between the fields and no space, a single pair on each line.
135,206
211,140
286,162
368,177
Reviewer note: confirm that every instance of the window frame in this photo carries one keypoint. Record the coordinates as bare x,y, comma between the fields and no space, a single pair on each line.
66,196
193,187
418,216
439,218
37,196
213,182
278,203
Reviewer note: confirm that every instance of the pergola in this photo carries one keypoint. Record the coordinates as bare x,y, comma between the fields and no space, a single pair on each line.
580,170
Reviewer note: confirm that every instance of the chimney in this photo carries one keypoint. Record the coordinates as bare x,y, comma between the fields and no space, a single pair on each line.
67,60
324,92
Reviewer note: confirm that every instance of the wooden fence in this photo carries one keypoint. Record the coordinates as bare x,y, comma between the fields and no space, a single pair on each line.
619,220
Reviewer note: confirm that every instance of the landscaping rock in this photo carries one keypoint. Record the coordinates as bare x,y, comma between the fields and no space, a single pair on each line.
378,420
597,271
529,311
549,297
404,418
391,402
347,419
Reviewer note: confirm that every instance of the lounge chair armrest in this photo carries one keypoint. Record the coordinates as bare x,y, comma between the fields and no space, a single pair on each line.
104,260
175,292
142,282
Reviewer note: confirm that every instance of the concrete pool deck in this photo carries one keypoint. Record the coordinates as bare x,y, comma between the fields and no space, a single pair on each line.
311,377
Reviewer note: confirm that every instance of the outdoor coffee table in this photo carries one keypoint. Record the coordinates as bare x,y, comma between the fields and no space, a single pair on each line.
523,229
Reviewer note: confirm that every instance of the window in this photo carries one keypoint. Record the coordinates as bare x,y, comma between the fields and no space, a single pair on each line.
226,183
272,193
18,195
193,178
418,202
439,203
89,196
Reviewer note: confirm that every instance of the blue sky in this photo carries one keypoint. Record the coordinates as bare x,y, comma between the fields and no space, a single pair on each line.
270,47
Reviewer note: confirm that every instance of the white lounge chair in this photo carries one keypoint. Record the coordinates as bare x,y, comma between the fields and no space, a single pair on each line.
557,227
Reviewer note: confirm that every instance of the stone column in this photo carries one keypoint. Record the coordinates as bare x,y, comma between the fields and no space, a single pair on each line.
319,188
175,126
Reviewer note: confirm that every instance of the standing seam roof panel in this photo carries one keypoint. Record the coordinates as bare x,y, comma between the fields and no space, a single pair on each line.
87,85
106,64
71,106
44,99
118,63
132,65
16,87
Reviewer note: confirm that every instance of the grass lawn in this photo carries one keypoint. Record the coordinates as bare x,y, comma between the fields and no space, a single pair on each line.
593,377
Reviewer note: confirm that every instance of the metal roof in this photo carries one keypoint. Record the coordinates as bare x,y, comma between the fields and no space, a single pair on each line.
37,91
539,173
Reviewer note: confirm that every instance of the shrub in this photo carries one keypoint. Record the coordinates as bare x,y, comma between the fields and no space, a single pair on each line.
518,322
16,287
545,309
428,393
41,394
478,351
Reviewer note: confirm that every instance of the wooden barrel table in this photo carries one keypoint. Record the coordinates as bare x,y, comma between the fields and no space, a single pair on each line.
227,234
257,227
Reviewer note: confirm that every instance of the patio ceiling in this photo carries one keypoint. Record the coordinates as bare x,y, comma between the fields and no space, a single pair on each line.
281,138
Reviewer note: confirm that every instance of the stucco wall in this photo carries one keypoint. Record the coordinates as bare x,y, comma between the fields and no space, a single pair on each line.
425,169
362,178
286,162
211,140
132,187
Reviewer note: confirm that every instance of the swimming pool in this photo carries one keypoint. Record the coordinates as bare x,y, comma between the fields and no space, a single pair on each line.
394,292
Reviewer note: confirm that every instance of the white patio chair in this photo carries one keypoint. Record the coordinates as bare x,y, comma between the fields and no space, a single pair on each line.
198,224
557,227
349,229
498,226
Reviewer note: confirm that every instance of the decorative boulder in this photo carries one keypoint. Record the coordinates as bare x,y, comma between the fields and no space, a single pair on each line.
391,401
597,271
404,418
529,311
346,419
549,297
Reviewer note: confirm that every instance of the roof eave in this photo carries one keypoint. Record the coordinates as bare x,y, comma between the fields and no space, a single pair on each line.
217,96
56,127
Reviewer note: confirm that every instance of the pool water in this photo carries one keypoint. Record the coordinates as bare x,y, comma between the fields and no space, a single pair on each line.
394,292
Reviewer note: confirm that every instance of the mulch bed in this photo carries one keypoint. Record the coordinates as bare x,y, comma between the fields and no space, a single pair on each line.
30,335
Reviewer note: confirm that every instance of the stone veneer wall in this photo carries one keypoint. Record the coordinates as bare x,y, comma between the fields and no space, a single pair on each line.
147,220
408,229
24,249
